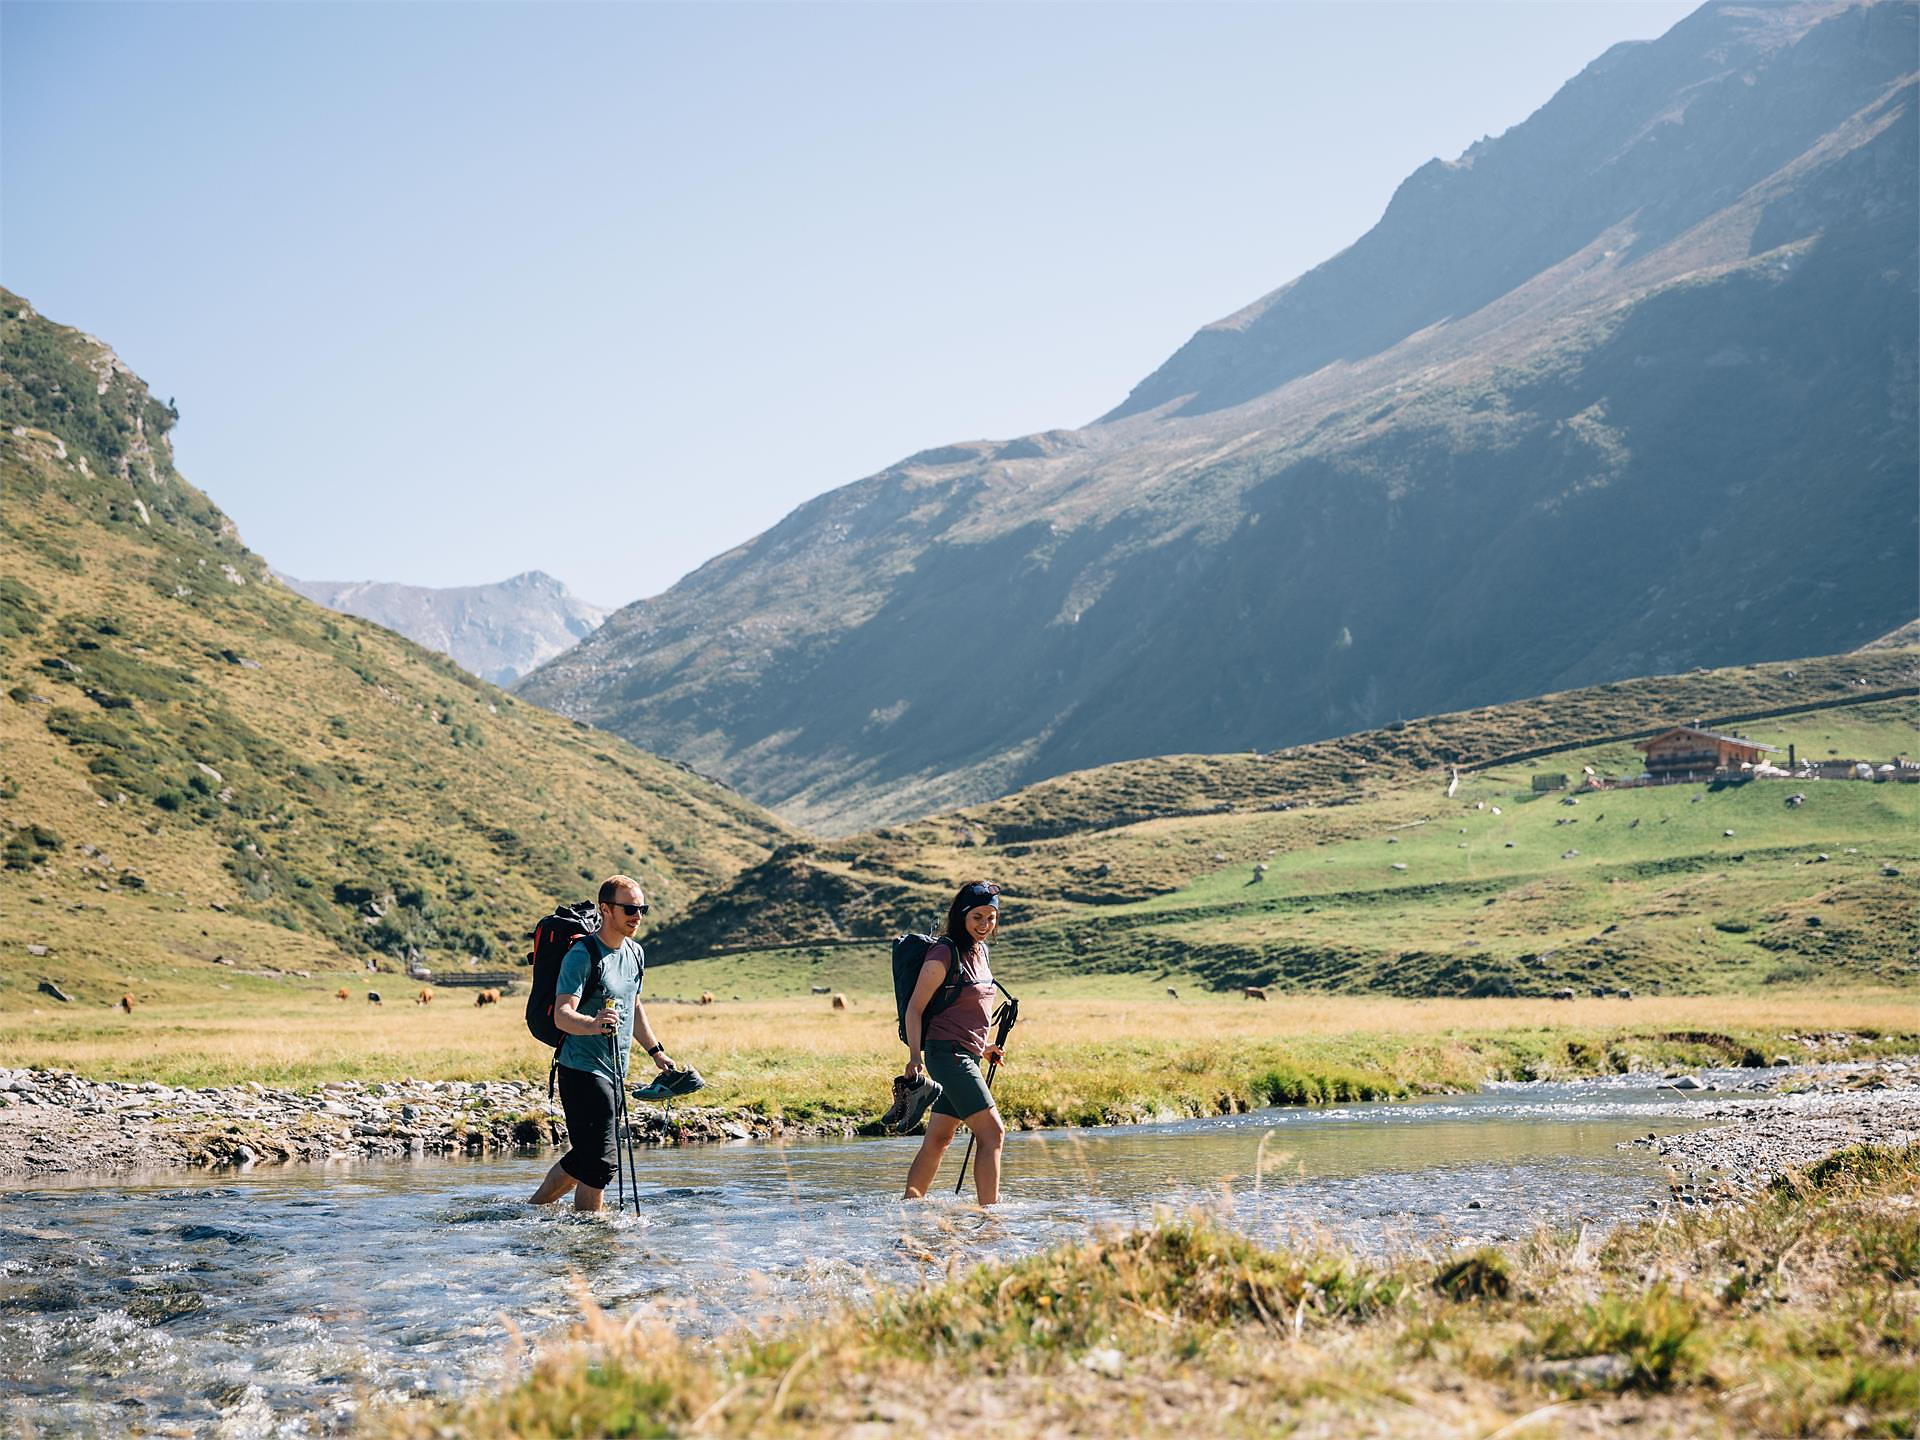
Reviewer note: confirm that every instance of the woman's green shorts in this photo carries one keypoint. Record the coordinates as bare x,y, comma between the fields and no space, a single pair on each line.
963,1091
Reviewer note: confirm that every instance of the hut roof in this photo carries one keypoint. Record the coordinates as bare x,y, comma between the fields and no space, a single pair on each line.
1740,740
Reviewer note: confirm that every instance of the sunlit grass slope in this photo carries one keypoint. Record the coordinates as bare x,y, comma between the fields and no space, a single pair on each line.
1375,878
195,762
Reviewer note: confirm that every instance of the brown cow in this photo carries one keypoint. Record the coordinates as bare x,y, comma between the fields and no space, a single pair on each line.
1254,992
706,997
839,1002
487,997
341,993
425,997
126,1003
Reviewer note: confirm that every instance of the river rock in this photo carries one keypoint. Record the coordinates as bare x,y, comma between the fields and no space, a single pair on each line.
1586,1372
1688,1082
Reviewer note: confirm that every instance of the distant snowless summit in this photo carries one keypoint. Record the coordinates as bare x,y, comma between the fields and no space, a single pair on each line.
498,631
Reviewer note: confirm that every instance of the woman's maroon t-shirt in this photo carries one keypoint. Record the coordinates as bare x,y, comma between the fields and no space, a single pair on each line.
965,1023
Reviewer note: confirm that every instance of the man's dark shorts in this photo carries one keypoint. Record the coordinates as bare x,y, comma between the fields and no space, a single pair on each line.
963,1090
587,1100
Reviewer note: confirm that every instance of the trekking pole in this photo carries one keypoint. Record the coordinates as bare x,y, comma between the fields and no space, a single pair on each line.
619,1115
633,1168
1008,1012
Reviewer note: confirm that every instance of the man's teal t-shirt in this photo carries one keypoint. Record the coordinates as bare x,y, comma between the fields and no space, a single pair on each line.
620,972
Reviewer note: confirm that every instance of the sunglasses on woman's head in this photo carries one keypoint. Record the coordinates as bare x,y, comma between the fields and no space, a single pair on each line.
639,909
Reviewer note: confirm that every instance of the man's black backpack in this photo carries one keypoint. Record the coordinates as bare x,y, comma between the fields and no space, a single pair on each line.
909,954
552,938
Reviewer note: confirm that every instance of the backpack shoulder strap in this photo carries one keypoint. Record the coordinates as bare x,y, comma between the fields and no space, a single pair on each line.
596,976
955,978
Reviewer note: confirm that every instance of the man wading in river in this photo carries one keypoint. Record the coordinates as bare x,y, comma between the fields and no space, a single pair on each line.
593,1057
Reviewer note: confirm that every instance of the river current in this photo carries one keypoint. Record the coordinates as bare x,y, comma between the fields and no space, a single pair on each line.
280,1301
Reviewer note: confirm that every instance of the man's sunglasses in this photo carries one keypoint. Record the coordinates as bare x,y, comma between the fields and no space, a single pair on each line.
639,909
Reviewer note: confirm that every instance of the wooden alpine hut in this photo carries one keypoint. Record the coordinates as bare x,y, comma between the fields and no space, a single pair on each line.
1686,752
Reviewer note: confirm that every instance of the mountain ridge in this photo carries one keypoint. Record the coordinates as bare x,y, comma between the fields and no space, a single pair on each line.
1576,153
1587,476
499,631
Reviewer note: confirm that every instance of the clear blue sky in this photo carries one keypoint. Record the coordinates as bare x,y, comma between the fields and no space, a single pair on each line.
447,291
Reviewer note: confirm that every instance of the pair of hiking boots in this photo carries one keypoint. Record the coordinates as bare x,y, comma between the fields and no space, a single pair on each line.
910,1102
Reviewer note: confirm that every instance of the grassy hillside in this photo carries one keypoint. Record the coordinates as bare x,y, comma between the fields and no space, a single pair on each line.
196,762
1377,880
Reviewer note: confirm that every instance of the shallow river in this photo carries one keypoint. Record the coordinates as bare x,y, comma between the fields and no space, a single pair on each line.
280,1301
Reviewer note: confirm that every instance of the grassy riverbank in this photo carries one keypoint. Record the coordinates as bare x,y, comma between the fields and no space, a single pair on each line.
1084,1054
1796,1314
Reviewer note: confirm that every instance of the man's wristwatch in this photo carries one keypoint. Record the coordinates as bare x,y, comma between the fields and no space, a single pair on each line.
655,1049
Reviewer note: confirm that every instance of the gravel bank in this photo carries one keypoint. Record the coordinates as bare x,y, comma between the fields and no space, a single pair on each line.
53,1122
1811,1116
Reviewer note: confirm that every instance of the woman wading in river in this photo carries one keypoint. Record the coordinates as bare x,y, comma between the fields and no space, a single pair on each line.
956,1040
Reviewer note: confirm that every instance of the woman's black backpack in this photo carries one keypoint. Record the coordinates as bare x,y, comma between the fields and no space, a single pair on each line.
552,938
909,954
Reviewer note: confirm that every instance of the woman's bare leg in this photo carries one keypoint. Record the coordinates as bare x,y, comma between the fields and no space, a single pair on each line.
933,1149
988,1135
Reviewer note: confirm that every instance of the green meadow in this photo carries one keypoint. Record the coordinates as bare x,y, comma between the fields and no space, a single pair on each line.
1397,887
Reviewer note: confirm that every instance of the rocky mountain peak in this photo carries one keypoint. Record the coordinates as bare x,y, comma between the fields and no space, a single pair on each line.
497,631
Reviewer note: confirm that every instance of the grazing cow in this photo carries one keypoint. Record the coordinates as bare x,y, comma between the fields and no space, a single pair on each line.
706,997
1172,994
839,1002
425,997
1253,992
341,993
126,1003
373,997
487,997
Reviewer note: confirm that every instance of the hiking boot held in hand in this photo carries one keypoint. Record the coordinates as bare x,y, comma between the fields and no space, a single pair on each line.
910,1101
